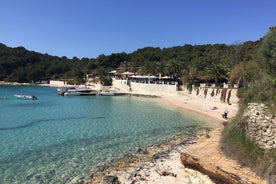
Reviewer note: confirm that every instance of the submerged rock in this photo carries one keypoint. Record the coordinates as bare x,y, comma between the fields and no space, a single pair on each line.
111,180
160,155
141,151
102,168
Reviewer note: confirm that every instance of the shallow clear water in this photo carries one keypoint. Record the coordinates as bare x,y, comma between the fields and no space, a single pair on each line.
55,139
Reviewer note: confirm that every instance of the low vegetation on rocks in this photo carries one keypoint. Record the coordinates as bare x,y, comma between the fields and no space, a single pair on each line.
251,134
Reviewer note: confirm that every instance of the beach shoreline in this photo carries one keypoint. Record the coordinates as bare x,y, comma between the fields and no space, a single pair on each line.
169,168
153,159
209,109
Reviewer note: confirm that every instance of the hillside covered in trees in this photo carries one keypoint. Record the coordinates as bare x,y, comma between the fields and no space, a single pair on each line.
205,62
244,64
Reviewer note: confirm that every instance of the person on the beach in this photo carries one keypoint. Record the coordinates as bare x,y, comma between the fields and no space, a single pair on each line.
225,112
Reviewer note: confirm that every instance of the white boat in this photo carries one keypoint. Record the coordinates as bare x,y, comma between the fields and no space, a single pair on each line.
106,93
25,97
76,91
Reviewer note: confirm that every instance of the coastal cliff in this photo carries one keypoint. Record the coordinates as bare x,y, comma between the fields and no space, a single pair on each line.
216,173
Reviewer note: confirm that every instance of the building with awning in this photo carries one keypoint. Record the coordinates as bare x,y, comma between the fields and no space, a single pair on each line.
113,72
146,84
152,79
126,75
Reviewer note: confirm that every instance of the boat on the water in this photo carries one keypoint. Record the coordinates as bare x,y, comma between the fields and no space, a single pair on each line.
25,97
106,93
76,91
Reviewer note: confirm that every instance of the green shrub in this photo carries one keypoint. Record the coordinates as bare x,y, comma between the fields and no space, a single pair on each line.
105,81
261,89
246,152
228,97
213,93
205,92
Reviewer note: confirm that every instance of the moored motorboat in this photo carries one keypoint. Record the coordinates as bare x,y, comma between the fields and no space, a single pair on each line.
76,91
25,97
61,91
107,93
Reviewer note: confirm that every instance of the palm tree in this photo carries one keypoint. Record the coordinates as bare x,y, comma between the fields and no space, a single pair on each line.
193,73
173,68
217,71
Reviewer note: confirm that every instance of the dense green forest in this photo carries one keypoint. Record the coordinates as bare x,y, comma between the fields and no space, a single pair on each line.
239,63
204,62
244,63
249,64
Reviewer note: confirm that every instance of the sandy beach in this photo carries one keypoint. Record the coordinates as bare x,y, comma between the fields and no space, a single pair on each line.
167,166
210,109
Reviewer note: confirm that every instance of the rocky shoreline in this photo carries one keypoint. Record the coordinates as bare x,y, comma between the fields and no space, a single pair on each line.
137,168
200,160
182,160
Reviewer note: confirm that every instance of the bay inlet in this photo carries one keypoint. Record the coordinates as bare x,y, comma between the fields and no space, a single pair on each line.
57,139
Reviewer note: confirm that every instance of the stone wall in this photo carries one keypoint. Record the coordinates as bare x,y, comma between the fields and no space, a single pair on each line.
120,84
261,126
157,89
58,83
145,88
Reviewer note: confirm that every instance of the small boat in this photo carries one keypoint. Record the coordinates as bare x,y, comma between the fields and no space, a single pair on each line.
76,91
25,97
106,93
61,91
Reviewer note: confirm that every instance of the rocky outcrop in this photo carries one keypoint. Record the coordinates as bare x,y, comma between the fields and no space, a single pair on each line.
208,157
111,180
217,174
261,126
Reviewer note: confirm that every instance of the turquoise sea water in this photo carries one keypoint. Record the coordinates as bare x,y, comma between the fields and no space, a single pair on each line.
56,139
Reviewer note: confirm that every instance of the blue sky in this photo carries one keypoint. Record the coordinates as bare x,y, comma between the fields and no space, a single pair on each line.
88,28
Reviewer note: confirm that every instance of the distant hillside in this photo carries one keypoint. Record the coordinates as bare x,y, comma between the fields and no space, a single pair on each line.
19,64
208,63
